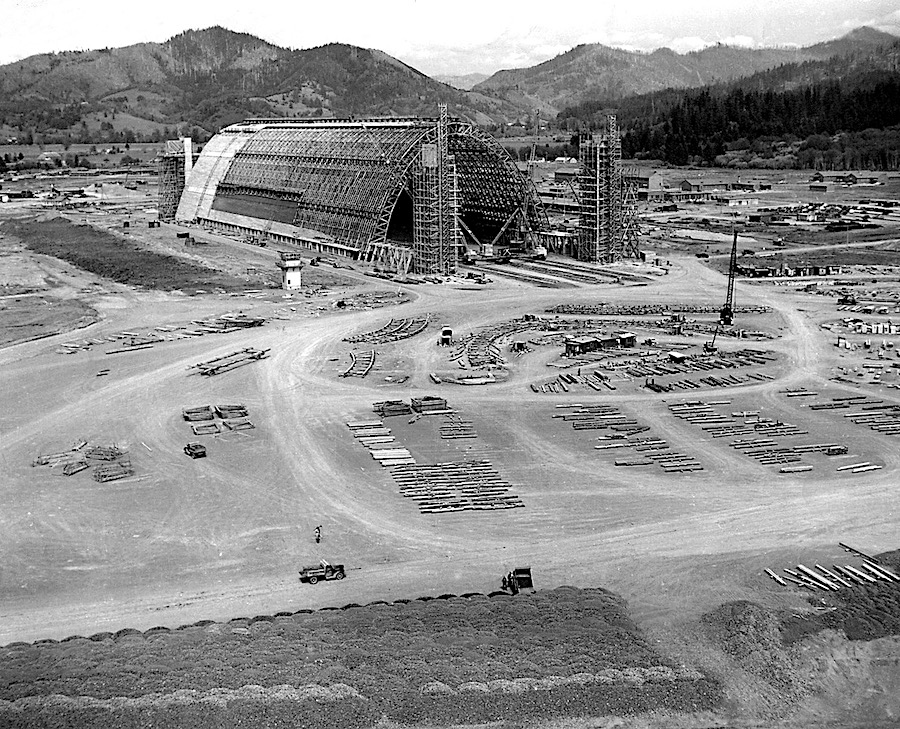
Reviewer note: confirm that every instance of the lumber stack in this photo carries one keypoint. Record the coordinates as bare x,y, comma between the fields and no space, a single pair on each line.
821,578
392,408
454,427
455,486
428,403
230,361
374,435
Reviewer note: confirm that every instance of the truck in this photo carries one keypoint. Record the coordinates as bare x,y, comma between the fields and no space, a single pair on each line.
321,571
195,450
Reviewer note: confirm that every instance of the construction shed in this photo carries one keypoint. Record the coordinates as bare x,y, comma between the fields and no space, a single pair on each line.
581,345
405,192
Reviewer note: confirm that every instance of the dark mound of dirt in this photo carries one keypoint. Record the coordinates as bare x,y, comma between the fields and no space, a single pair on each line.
751,634
557,653
122,261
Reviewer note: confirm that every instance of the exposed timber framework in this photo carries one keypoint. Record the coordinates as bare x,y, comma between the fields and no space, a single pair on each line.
394,191
174,164
607,230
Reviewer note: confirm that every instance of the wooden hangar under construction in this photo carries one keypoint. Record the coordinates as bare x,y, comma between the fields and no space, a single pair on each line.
406,193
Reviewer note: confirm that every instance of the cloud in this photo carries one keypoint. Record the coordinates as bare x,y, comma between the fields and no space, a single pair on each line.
744,41
688,43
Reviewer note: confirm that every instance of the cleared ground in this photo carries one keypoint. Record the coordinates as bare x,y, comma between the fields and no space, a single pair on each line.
214,538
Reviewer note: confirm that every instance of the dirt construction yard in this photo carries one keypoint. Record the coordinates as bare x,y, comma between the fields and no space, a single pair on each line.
181,540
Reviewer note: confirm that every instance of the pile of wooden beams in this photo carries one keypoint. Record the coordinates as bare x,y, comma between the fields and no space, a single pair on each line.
840,576
230,361
204,412
455,486
649,450
234,416
762,446
377,437
428,404
113,471
604,309
110,462
229,412
391,408
454,427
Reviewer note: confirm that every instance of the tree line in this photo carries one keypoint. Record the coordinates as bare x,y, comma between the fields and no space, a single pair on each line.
799,115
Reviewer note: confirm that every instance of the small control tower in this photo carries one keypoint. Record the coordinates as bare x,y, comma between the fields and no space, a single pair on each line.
290,265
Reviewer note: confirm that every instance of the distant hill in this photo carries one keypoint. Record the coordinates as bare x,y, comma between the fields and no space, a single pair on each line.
465,82
210,78
839,113
594,71
202,80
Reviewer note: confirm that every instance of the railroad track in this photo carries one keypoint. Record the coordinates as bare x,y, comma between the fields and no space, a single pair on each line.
518,276
575,273
360,363
393,331
551,269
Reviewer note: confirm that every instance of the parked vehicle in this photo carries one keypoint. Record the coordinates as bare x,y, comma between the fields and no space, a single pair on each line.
195,450
322,571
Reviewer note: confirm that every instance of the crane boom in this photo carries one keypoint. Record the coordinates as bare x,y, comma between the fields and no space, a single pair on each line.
726,315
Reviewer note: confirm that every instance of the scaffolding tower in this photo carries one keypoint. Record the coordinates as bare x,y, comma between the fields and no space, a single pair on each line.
436,235
607,230
173,165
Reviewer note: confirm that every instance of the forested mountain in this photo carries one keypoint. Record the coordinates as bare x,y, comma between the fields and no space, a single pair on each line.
593,71
210,78
838,113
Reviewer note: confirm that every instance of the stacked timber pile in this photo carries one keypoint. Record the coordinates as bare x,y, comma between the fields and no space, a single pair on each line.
110,462
113,471
481,349
604,309
455,486
428,404
874,414
227,412
103,453
204,412
393,331
820,578
234,416
391,408
599,417
61,458
454,428
133,341
886,419
624,432
374,435
761,443
230,361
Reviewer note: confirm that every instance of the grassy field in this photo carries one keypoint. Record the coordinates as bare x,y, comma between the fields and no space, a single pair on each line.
119,260
32,317
456,659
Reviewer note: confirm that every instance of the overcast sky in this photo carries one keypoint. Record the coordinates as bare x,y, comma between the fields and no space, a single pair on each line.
467,36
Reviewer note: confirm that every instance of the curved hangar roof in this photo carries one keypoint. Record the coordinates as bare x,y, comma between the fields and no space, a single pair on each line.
347,179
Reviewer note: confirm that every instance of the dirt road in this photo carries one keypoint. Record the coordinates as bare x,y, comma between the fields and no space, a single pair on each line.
223,536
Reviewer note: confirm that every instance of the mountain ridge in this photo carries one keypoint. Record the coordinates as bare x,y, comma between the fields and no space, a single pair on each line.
201,80
597,71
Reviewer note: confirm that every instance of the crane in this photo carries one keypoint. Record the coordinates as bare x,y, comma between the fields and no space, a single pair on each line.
726,313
